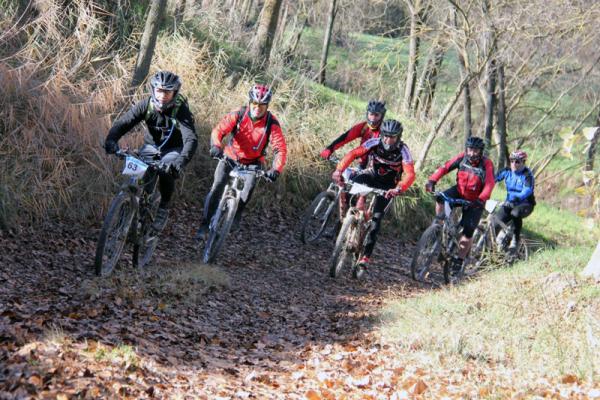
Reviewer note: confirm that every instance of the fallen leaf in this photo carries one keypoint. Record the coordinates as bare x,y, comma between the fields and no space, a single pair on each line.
312,395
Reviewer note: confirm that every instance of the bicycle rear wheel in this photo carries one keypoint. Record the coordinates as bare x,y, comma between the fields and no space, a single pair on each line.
113,234
342,253
317,217
428,248
144,248
220,225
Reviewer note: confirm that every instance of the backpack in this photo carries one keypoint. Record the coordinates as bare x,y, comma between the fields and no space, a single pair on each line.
179,100
240,115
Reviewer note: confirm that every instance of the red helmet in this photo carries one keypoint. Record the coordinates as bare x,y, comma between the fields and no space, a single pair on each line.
260,94
518,155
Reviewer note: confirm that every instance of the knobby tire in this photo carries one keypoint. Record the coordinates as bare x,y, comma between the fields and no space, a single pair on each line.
117,222
216,236
341,254
428,248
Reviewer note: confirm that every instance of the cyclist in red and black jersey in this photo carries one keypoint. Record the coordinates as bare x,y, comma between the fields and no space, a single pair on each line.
390,167
252,128
364,130
474,182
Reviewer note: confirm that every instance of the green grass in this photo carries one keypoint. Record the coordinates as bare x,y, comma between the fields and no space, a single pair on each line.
525,319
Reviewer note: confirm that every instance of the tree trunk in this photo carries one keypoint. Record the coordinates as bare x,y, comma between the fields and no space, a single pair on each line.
148,42
431,81
282,25
291,50
327,41
206,4
413,54
179,10
591,153
440,121
463,65
190,10
501,119
265,33
490,100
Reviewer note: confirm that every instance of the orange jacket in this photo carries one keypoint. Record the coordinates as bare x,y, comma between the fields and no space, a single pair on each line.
249,143
406,171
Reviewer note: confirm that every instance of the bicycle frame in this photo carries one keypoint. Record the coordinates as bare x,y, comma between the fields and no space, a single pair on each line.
451,227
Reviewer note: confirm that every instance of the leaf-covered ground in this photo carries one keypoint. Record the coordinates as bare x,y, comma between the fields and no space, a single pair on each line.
265,322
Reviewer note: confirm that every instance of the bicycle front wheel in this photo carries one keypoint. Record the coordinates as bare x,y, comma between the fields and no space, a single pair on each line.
342,252
114,234
220,225
428,248
144,248
317,217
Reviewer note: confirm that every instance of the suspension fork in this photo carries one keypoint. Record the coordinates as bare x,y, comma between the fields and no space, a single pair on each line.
344,199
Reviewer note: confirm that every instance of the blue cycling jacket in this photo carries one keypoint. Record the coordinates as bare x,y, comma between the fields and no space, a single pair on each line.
519,185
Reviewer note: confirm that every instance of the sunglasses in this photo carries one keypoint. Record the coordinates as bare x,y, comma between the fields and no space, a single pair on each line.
516,161
256,104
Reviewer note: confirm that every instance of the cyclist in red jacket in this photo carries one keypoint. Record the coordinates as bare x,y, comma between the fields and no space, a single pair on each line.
390,168
252,129
474,182
364,130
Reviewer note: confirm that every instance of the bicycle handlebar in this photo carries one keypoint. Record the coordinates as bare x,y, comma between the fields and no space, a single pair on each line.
451,200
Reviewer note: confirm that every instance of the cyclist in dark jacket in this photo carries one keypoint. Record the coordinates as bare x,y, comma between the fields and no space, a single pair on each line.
170,131
364,130
474,182
520,199
390,167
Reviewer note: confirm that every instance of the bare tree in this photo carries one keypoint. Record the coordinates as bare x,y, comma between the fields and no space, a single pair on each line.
501,120
265,33
148,42
327,41
417,12
440,121
428,81
490,94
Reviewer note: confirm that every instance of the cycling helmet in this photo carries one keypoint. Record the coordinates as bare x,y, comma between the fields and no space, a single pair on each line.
260,94
375,106
390,128
164,80
518,155
474,142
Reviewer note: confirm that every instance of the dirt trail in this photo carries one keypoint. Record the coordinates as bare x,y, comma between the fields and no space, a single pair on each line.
254,336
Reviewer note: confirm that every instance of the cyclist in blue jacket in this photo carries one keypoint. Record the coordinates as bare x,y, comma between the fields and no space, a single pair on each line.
520,199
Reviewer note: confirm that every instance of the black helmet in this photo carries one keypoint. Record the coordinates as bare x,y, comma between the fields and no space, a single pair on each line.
390,128
475,142
375,106
164,80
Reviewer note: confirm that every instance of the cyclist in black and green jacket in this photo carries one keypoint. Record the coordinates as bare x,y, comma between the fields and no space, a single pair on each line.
170,131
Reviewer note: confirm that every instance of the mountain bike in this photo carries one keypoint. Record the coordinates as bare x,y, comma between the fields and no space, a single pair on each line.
131,214
439,242
350,242
321,215
222,219
492,239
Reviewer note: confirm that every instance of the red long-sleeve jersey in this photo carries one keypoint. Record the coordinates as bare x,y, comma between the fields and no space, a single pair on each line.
473,181
250,141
